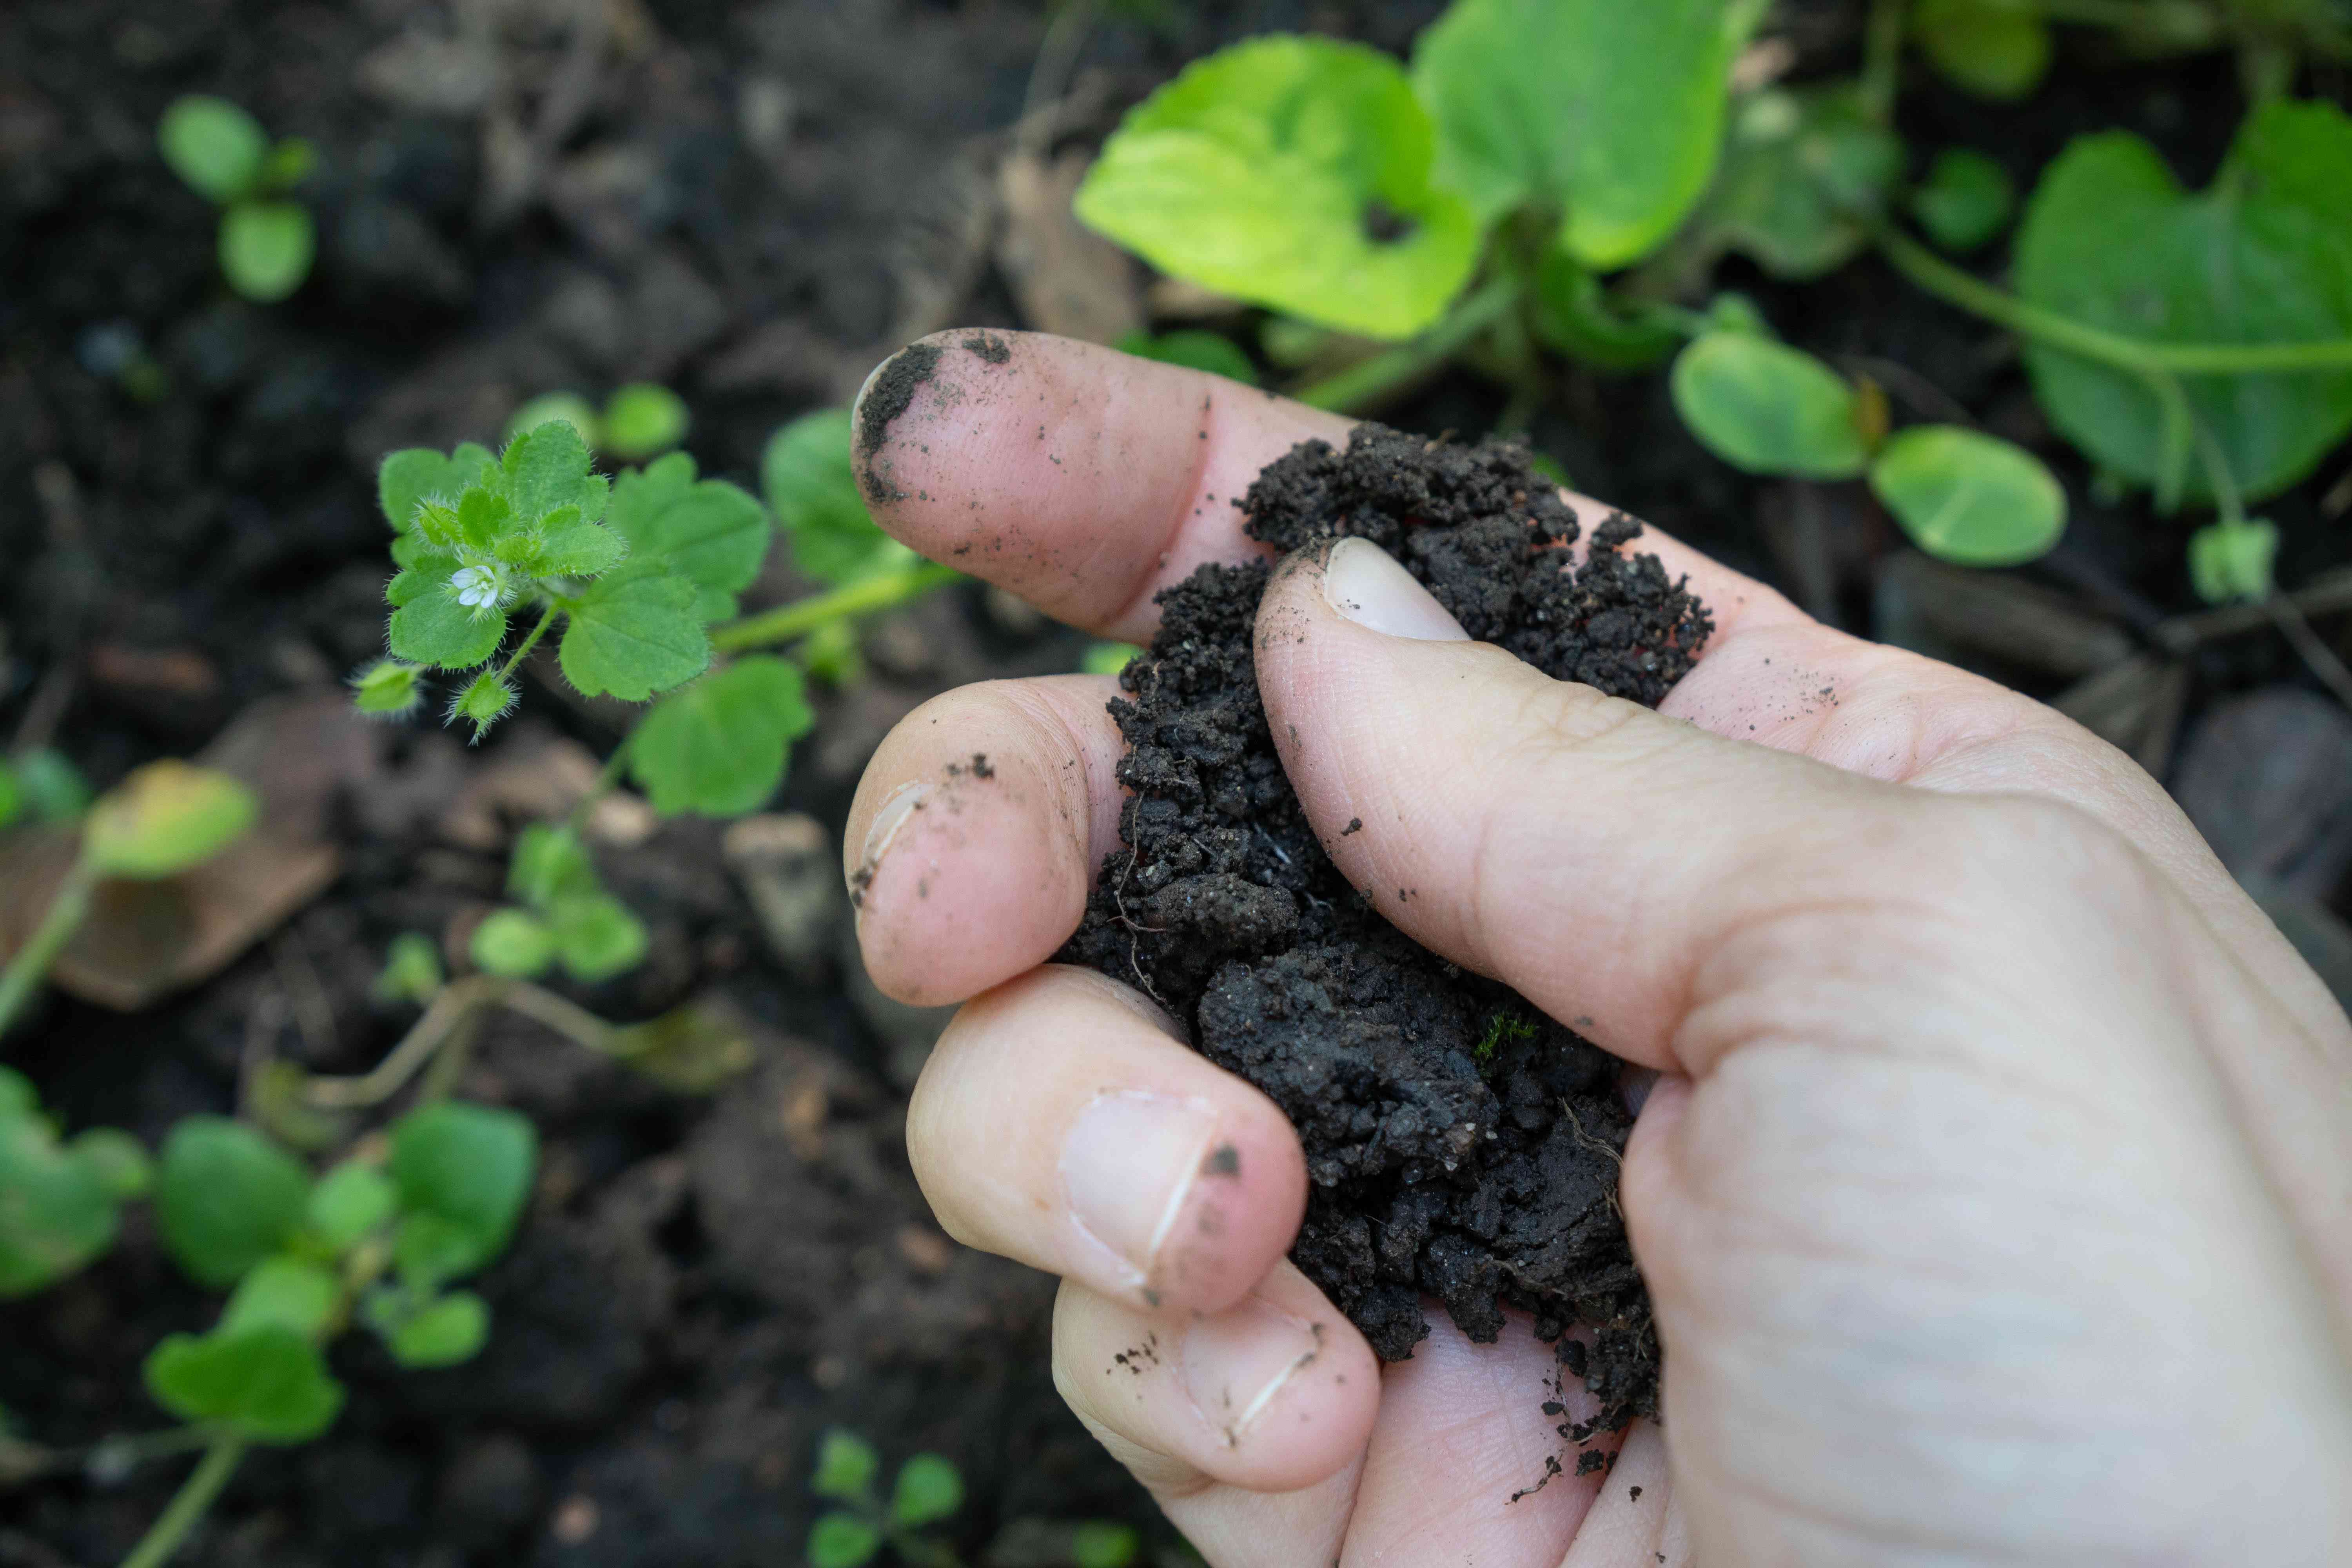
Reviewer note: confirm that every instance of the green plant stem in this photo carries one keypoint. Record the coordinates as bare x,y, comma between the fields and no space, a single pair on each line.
528,643
1973,294
2283,612
188,1504
64,917
1358,385
1882,58
789,623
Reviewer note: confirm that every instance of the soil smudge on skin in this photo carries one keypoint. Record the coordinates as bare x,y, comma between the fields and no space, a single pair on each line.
989,347
894,386
1460,1143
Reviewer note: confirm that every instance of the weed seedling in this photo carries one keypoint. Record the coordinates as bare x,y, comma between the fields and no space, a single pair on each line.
266,241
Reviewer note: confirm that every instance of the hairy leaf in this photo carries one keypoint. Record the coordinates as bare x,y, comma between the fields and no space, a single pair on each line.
635,631
719,746
706,531
430,626
547,467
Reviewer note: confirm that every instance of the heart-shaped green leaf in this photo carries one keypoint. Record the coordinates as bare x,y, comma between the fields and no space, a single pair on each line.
2261,255
1969,499
1290,171
635,631
708,530
469,1167
1607,111
718,747
267,1383
225,1198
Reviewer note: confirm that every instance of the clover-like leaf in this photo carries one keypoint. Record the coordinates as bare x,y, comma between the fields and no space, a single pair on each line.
1965,199
283,1293
633,632
267,1383
1805,174
57,1212
1290,171
469,1167
430,624
719,746
443,1333
642,419
1606,112
811,484
706,531
266,247
846,1465
216,147
512,943
1968,497
843,1540
2261,255
1767,409
165,818
930,1489
1994,48
350,1201
596,937
225,1198
547,467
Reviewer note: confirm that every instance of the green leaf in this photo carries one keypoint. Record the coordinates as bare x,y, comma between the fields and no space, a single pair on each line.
548,467
719,746
282,1292
11,797
548,864
165,818
443,1333
1804,175
1969,499
846,1465
596,937
1194,350
1099,1544
216,147
2261,255
411,970
641,420
469,1166
289,164
1110,658
1765,407
573,547
569,406
635,631
226,1198
843,1540
930,1489
267,1383
812,486
57,1212
512,943
709,532
2233,560
1290,171
1574,314
1994,48
1965,199
484,700
387,689
116,1159
350,1201
265,248
428,1249
1607,111
430,626
52,787
405,478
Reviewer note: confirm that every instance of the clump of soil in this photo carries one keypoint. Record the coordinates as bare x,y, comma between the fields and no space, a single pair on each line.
1460,1143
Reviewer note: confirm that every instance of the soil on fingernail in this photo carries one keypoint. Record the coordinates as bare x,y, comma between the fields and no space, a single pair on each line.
910,369
1461,1144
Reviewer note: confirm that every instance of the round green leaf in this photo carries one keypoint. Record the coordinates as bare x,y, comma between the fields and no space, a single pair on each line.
1763,407
216,147
268,1383
469,1166
2233,560
930,1489
718,747
512,943
1804,175
1196,350
642,419
2261,255
165,818
1290,171
118,1159
1099,1544
708,530
569,406
52,787
812,486
635,631
225,1198
843,1540
846,1465
443,1333
57,1212
1611,113
265,248
1965,201
283,1293
350,1201
1994,48
1969,499
596,937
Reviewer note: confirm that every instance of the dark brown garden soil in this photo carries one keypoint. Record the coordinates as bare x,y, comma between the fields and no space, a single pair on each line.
1460,1145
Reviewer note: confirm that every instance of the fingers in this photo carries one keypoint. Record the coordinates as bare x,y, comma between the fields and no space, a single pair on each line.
1627,1523
976,833
1275,1394
1060,1122
1080,477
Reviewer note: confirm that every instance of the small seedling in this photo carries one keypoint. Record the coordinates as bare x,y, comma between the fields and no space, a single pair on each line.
163,819
267,242
640,420
1505,1028
60,1202
565,915
929,1491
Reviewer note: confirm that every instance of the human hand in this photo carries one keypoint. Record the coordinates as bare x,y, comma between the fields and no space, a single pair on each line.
1995,1201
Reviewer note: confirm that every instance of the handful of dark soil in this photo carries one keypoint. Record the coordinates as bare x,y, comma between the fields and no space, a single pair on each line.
1459,1143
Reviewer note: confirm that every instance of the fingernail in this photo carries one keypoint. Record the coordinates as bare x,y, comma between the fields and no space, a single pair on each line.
899,805
1237,1362
1128,1165
1364,583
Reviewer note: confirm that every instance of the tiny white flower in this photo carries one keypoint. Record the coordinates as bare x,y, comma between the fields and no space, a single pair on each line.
479,587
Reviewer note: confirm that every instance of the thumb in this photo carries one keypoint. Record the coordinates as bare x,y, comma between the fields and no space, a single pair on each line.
1588,851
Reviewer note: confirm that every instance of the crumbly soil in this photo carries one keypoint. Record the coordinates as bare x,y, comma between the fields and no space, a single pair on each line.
1461,1144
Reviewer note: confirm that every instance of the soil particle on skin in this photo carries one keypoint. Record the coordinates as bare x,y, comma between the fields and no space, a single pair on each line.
894,386
1460,1143
989,347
